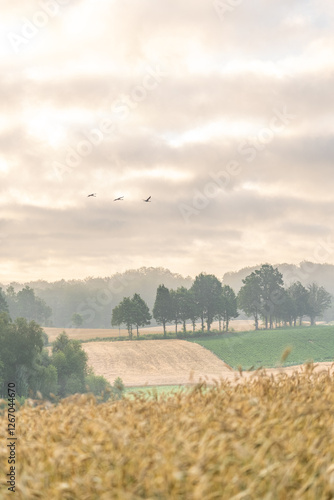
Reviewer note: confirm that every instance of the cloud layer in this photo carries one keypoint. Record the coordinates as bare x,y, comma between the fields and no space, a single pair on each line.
223,114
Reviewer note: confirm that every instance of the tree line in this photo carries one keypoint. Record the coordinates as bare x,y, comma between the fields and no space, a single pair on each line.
25,361
262,296
91,298
24,304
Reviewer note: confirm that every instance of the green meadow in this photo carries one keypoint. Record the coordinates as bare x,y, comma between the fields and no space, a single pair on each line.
265,347
153,391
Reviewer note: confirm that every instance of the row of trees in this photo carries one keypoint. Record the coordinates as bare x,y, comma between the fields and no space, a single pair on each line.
207,300
131,312
25,361
262,296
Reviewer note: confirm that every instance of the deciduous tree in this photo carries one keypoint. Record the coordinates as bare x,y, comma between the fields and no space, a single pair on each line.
318,301
163,307
249,297
141,312
207,291
228,307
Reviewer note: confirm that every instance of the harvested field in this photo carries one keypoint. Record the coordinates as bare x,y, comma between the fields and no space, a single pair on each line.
154,362
84,333
93,333
165,362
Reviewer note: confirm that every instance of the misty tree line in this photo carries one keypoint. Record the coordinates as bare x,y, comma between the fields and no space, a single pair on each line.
262,296
89,302
24,304
91,298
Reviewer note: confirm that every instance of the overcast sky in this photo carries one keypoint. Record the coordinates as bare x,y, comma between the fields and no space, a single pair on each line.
222,111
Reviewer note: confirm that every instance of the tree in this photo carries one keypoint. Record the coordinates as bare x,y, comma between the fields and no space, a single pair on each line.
186,306
21,342
285,310
77,320
249,297
207,291
124,313
141,312
116,317
131,312
25,304
3,302
71,362
318,301
228,306
176,308
272,292
163,307
46,380
299,297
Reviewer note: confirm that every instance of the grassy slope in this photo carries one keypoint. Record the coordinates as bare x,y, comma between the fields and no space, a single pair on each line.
157,389
265,347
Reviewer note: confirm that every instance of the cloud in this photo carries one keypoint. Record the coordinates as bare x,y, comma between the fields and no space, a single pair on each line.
186,94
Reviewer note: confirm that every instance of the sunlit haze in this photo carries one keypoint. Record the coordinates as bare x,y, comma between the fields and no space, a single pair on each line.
222,115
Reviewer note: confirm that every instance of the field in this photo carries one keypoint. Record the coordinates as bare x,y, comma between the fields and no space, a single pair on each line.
272,439
264,348
235,435
84,333
154,362
105,333
174,362
156,390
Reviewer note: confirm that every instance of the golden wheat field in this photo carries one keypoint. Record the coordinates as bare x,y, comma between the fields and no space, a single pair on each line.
270,438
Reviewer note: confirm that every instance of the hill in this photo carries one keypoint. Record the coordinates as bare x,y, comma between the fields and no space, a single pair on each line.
265,347
154,362
168,362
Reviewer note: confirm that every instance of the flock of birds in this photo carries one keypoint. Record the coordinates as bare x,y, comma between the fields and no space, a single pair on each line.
121,198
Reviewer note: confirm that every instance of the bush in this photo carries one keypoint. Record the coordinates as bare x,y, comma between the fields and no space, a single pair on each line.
99,386
74,384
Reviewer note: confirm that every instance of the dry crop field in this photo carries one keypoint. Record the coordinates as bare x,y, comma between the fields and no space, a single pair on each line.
84,333
93,333
271,438
164,362
154,362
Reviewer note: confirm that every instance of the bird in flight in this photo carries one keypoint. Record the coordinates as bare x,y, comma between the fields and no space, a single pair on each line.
93,194
148,199
119,199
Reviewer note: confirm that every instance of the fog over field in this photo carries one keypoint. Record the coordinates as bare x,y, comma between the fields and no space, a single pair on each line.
220,111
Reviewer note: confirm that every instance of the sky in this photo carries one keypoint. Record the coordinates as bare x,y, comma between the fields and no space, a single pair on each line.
221,111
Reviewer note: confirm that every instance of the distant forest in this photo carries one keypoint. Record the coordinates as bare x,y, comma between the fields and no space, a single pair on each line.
54,304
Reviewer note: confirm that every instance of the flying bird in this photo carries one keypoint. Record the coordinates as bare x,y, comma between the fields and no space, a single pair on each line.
119,199
93,194
148,199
